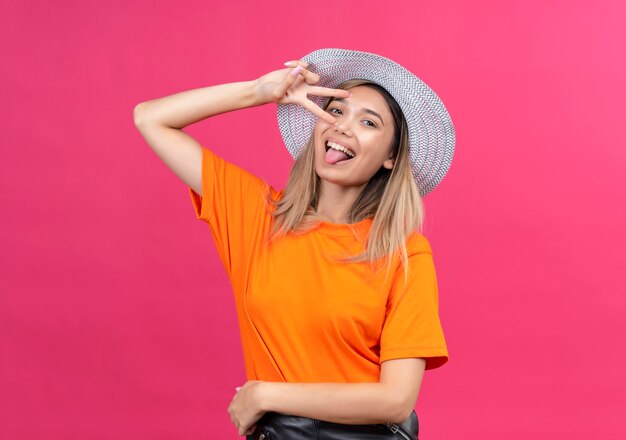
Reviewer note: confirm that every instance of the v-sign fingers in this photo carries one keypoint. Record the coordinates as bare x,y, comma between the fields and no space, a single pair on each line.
325,91
309,77
317,111
297,63
289,80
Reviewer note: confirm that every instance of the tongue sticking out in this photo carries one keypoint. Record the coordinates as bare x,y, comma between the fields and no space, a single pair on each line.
333,156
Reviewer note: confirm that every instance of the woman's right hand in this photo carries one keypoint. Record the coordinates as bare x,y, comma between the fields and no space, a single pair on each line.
292,85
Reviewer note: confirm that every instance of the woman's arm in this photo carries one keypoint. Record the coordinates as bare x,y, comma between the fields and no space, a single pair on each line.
390,400
160,121
185,108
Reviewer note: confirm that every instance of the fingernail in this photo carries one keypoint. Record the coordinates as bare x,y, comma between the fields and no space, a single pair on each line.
289,63
296,71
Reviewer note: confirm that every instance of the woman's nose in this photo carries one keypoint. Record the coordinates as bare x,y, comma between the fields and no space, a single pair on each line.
343,125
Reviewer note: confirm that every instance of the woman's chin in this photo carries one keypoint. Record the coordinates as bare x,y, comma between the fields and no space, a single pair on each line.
338,180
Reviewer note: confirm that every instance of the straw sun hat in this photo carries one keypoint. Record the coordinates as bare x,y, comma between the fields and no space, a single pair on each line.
431,133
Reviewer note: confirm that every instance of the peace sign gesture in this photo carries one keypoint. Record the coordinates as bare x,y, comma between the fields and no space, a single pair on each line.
292,85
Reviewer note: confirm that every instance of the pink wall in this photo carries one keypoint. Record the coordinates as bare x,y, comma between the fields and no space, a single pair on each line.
116,319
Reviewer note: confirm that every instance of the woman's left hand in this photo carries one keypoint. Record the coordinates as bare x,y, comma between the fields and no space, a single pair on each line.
245,408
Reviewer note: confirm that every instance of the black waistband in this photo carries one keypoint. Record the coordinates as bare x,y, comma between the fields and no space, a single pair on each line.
275,426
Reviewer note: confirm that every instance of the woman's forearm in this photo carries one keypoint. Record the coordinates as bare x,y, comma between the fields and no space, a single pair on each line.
185,108
350,403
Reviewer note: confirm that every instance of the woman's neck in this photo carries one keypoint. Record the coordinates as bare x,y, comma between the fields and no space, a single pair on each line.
335,201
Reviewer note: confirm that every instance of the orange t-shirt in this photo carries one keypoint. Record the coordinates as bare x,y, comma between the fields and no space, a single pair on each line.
304,317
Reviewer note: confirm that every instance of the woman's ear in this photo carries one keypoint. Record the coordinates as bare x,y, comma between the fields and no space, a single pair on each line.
389,163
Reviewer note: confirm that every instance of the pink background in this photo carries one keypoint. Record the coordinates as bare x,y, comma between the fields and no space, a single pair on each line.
116,317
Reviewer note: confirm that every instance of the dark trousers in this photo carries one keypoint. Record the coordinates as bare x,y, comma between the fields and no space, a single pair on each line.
275,426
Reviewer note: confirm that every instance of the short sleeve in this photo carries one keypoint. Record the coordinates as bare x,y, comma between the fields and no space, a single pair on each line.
412,326
233,203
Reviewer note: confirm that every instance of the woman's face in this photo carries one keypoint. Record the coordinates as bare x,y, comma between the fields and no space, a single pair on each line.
364,125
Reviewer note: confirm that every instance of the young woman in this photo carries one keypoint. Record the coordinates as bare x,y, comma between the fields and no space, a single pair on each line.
335,287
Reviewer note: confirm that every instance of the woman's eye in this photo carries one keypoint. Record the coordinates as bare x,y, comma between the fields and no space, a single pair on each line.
338,111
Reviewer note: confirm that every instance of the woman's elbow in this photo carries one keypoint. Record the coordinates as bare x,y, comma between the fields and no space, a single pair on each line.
402,409
137,114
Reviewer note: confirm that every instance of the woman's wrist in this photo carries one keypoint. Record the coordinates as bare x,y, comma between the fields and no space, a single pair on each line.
256,96
265,392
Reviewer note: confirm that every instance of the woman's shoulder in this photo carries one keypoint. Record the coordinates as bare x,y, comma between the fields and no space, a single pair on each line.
417,243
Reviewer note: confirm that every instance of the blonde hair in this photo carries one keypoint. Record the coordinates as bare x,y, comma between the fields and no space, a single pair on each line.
391,197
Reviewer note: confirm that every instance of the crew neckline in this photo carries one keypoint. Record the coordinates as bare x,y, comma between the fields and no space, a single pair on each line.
346,229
